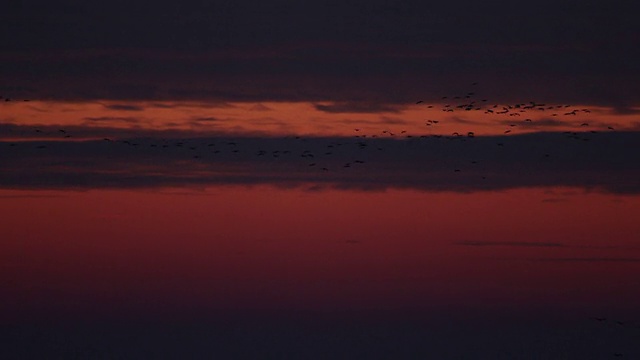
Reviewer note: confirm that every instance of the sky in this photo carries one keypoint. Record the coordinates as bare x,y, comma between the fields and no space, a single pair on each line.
320,179
379,52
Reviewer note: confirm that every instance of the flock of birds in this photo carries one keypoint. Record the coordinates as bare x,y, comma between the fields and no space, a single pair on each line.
201,148
321,159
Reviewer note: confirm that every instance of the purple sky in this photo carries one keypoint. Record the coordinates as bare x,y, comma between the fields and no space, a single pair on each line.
376,51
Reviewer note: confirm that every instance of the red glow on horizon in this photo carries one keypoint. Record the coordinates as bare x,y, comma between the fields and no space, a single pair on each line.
234,247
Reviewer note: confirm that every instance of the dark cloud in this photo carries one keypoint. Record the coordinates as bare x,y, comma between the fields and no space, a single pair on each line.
28,196
124,107
460,120
510,243
101,130
206,119
260,107
539,123
392,120
484,243
382,120
112,119
207,104
624,110
383,82
357,107
591,259
457,164
554,200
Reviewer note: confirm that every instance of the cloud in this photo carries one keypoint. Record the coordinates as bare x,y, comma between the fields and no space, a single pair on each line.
554,200
206,119
357,107
260,107
371,78
29,196
90,131
191,158
541,123
459,120
510,243
392,121
112,119
124,107
590,259
382,120
207,104
542,244
626,110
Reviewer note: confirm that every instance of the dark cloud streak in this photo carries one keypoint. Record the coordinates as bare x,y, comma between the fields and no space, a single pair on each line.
605,163
357,107
510,244
590,260
124,107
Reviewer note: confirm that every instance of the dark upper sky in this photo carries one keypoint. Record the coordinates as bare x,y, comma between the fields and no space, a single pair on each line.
386,51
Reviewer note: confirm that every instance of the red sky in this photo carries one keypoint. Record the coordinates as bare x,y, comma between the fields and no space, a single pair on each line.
238,247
